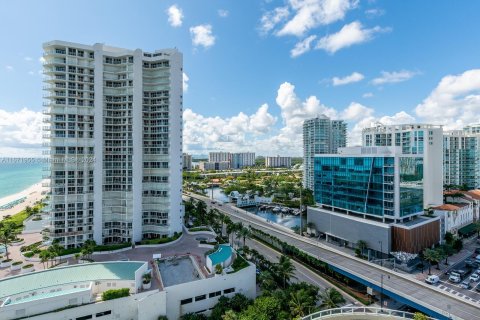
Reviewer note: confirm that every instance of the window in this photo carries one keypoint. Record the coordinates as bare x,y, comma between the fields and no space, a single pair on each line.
214,294
201,297
186,301
230,290
85,317
104,313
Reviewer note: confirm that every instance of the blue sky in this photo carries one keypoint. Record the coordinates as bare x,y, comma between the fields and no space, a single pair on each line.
388,61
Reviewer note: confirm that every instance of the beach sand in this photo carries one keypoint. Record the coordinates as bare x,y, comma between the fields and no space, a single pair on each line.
33,194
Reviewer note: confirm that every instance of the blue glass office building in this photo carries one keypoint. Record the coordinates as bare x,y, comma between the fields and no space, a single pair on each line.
387,187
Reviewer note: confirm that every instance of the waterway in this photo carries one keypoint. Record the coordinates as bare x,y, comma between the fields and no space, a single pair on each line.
285,220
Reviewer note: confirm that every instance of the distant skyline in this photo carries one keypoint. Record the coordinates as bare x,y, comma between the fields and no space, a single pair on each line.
256,69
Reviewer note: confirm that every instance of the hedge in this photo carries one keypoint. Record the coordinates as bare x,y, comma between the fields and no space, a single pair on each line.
162,240
115,294
28,254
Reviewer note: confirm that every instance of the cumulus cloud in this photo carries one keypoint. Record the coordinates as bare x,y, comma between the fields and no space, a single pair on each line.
375,12
222,13
356,111
175,16
350,34
20,133
233,133
393,77
354,77
302,46
455,102
202,35
185,79
272,18
309,14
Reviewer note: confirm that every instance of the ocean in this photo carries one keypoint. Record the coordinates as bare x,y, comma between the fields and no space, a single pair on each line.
15,177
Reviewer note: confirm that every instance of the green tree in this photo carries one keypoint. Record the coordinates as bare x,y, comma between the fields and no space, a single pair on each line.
448,237
267,281
239,302
477,228
362,245
244,233
300,303
285,269
458,244
447,251
263,308
331,298
419,316
194,316
44,257
432,256
230,315
7,234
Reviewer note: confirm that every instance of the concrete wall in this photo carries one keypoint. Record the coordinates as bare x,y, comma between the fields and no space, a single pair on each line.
243,281
350,228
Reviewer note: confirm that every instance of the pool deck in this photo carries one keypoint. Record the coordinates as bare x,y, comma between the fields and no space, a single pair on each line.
178,270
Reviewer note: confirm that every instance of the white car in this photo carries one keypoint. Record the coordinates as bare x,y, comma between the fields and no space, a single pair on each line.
475,277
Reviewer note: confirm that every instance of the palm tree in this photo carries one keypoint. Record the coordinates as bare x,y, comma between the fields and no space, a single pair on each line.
7,234
331,298
448,251
300,302
44,257
223,218
267,281
285,269
432,257
477,228
244,233
362,245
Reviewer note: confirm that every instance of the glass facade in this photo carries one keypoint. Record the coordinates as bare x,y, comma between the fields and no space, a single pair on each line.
411,185
366,184
360,184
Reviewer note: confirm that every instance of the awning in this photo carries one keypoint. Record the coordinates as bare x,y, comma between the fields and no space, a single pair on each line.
468,229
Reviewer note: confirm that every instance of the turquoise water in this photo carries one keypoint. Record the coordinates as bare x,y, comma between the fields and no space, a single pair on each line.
222,254
15,177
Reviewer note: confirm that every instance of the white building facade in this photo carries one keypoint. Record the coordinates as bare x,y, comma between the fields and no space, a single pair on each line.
278,162
454,216
321,135
422,140
461,158
219,156
242,159
187,161
115,142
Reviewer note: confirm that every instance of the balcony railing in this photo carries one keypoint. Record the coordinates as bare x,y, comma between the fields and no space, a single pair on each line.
348,312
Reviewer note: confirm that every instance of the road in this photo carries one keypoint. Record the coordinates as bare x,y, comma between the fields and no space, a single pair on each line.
302,274
445,304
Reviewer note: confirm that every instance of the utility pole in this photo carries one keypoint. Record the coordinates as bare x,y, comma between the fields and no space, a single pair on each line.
381,294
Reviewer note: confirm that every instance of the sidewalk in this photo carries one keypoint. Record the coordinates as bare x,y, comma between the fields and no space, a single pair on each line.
452,261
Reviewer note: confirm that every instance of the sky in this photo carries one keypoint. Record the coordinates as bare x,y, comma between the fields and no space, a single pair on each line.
254,70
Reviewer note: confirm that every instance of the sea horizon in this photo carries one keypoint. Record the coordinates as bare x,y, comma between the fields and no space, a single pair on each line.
17,176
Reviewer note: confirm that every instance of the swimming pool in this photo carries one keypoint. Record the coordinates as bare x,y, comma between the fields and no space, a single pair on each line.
222,256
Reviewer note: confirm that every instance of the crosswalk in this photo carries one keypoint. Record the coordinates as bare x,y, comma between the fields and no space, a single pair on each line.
458,294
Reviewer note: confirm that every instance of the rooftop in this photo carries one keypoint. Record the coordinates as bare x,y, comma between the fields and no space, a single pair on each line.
451,207
223,253
71,274
178,270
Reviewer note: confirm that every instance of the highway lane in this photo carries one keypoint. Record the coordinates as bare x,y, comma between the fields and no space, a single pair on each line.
302,274
422,294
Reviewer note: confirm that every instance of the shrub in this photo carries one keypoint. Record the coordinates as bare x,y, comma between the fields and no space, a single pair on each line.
147,277
27,266
17,240
7,260
115,294
161,240
239,263
28,254
16,263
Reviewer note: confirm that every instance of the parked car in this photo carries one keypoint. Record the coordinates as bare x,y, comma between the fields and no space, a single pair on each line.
477,258
477,250
478,287
432,279
466,284
474,277
461,273
469,263
454,277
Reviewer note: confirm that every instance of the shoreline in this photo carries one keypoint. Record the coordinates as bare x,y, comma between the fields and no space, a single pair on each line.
32,194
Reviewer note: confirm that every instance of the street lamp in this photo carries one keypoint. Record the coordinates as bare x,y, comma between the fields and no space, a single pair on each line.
301,221
381,291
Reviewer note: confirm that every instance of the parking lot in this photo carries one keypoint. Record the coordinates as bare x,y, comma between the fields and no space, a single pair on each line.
470,268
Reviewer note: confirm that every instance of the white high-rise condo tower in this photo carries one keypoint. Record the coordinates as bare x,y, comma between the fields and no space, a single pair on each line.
320,135
424,140
115,142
